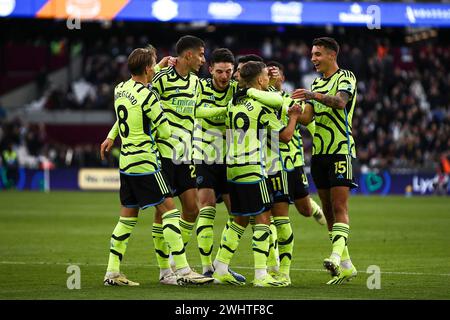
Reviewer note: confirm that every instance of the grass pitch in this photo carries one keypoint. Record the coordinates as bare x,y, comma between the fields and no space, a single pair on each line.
42,234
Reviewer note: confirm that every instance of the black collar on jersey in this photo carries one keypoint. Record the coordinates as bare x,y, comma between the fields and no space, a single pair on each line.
217,90
326,79
180,76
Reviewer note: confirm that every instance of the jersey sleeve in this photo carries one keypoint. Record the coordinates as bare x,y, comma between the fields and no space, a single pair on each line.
114,131
311,102
347,83
270,99
284,112
269,119
234,86
227,118
198,92
287,100
311,128
157,83
201,90
204,112
153,110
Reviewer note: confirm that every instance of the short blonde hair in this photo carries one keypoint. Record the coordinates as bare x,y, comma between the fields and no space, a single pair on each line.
141,58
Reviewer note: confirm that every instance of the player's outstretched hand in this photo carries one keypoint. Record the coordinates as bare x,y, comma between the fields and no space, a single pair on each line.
302,94
295,111
275,77
274,72
167,61
105,147
172,61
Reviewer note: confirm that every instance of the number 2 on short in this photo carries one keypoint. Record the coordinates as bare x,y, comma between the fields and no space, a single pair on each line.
192,168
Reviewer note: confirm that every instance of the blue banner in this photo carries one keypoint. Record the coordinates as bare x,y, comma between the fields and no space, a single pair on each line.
21,8
371,15
380,183
33,179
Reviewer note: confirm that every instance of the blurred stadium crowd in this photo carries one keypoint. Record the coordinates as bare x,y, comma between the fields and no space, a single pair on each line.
401,119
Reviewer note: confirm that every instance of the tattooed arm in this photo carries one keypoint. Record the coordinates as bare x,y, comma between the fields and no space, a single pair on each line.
339,101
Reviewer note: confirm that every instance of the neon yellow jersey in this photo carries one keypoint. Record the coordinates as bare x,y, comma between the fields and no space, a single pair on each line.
179,97
290,154
209,133
248,122
333,134
138,110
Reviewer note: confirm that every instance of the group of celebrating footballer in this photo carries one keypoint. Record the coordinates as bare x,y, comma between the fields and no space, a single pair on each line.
237,141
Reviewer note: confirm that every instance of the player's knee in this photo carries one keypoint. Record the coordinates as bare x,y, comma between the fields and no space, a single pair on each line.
262,219
304,208
206,198
241,220
207,203
190,211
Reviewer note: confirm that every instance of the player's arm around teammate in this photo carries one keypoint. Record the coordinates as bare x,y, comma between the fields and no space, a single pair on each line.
209,151
108,143
249,191
298,182
178,87
141,183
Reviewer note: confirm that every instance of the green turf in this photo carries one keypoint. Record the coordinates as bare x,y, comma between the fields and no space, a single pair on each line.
41,234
